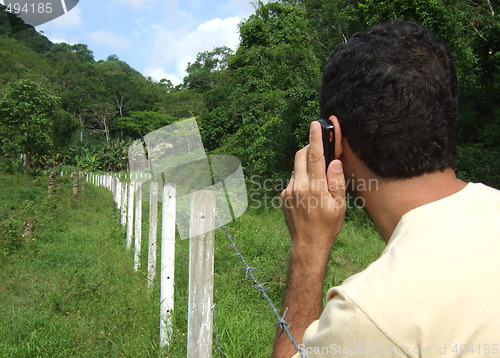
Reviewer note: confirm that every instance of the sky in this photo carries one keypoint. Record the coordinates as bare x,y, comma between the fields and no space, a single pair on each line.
156,37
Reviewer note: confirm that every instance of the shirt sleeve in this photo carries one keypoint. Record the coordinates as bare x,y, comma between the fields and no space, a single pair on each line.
344,330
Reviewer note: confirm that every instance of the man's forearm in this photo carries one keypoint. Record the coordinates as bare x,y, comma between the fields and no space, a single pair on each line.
303,298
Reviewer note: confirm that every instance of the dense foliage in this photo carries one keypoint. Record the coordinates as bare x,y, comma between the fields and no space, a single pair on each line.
255,103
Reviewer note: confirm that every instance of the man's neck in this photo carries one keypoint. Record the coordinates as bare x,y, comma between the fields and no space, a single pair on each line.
395,197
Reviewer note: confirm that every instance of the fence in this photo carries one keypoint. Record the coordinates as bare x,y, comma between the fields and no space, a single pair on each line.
128,191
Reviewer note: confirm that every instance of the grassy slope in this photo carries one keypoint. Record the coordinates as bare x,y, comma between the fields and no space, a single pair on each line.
68,289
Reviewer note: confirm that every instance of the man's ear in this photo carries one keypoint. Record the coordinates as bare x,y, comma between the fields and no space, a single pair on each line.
338,136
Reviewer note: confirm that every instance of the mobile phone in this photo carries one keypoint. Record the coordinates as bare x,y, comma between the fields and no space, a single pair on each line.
328,132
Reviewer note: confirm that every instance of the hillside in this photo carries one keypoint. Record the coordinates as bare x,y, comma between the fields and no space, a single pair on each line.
255,103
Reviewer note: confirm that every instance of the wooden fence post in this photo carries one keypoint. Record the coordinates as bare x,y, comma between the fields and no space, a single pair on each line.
52,183
83,182
167,262
201,274
153,223
76,181
138,225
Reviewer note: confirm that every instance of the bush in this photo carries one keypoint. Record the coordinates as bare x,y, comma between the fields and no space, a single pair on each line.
11,237
478,164
10,166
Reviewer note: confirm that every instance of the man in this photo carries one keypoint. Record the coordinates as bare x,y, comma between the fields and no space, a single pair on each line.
391,93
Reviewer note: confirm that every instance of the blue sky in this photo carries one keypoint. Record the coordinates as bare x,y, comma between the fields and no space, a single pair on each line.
156,37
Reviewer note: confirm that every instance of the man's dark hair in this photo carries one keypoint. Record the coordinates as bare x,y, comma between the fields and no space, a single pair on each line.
393,88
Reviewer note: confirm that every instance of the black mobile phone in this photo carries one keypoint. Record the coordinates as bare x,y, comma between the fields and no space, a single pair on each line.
328,132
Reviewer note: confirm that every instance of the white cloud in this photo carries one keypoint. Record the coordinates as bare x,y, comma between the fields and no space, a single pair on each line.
57,40
108,38
243,8
72,18
158,74
216,32
173,51
58,30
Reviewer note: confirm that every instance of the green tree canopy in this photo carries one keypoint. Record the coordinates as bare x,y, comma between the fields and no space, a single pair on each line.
140,123
271,91
26,119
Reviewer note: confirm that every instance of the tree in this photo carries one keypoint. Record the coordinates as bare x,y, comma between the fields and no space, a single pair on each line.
26,112
64,125
103,116
167,85
143,122
120,80
202,74
128,89
273,80
75,73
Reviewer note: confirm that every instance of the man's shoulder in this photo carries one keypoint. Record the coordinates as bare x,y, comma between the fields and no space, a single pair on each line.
481,191
437,236
471,198
440,267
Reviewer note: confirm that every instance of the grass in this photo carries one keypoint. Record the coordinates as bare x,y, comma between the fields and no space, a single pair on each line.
68,288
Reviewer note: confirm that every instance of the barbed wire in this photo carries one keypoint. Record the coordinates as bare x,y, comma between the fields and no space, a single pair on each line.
285,327
219,348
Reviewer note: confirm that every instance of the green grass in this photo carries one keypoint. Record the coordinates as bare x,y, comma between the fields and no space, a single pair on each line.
68,288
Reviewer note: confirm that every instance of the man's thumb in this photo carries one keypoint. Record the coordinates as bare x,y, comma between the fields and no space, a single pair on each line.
336,179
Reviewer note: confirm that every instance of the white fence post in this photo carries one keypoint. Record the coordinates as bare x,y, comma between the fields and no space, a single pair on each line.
130,214
201,274
167,262
123,208
138,225
118,193
153,223
201,254
113,189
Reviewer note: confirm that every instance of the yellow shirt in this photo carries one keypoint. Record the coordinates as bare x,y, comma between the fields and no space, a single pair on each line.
434,292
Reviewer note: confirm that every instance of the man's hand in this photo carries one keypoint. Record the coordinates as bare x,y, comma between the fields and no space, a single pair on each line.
314,205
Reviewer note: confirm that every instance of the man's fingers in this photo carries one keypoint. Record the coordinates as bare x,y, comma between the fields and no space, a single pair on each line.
300,165
316,161
336,180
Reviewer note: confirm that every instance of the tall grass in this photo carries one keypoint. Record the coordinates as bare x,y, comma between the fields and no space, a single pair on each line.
68,289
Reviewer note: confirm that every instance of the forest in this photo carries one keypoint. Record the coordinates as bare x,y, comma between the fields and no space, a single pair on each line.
61,107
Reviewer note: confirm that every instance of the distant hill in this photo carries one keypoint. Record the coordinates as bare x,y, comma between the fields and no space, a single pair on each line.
14,27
